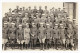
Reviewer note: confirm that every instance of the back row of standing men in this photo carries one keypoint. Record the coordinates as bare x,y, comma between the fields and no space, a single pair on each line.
28,25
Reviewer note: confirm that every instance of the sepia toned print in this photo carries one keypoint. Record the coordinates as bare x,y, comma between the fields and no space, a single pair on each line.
37,26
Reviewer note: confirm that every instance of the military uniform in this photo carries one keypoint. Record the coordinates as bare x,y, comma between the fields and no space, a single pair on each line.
5,32
27,35
34,12
46,12
33,35
40,12
56,35
9,13
5,18
62,35
20,35
12,32
69,39
48,36
41,36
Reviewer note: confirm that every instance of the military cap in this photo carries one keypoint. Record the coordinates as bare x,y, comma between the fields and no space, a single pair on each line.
26,13
20,25
61,24
47,24
13,13
56,24
20,13
43,14
5,23
68,18
33,23
13,23
41,23
10,17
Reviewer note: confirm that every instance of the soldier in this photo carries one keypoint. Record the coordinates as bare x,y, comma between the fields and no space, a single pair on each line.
5,18
35,11
9,13
46,12
17,8
33,35
41,36
69,41
56,35
13,17
23,12
56,13
64,13
27,35
17,21
4,35
20,36
12,35
29,12
62,35
40,11
48,36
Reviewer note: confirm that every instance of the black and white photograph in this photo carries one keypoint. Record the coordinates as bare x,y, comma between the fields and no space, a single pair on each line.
40,26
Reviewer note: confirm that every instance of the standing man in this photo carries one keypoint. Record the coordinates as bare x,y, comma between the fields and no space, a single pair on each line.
12,35
46,12
10,12
29,12
48,36
40,11
56,35
33,35
20,36
5,35
35,11
70,43
41,36
26,35
62,35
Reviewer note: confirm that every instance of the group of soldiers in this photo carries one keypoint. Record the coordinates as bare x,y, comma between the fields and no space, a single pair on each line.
27,26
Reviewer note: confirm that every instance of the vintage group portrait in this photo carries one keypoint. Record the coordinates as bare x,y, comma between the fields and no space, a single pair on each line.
40,26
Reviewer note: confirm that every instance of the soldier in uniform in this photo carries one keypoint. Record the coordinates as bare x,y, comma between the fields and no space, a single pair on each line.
48,36
9,13
5,18
4,35
33,35
56,35
40,12
41,36
12,35
69,39
20,36
35,11
29,12
26,35
46,12
62,35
